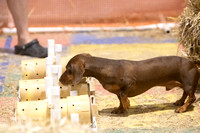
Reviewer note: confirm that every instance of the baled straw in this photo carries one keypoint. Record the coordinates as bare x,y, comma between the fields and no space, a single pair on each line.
189,29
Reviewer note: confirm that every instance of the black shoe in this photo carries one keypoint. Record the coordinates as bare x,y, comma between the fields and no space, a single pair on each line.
33,49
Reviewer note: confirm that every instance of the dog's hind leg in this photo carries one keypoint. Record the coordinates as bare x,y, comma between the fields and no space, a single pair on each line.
189,101
190,82
181,101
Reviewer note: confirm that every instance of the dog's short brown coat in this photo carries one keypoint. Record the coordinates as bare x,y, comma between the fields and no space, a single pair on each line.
130,78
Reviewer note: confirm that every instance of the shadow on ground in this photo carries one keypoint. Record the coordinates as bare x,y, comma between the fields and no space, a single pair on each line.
142,109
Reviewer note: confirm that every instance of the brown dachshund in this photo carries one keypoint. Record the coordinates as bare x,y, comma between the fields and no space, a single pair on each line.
130,78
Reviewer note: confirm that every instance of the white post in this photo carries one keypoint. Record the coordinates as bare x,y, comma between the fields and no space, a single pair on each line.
55,94
58,51
51,43
53,73
90,81
48,86
73,93
50,60
74,118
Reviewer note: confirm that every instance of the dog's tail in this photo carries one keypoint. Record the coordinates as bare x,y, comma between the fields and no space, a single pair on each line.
197,63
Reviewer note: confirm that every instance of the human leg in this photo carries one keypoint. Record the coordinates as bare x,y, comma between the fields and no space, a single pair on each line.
19,11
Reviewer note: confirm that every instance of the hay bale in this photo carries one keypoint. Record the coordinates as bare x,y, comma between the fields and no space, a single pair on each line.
189,29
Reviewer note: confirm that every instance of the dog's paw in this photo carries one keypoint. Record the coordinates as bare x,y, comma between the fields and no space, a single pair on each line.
180,110
178,103
118,111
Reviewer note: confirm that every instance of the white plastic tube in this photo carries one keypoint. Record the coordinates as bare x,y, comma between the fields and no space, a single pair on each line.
59,71
55,96
48,86
74,117
48,82
51,51
55,114
49,62
94,124
73,93
90,81
92,99
54,71
58,51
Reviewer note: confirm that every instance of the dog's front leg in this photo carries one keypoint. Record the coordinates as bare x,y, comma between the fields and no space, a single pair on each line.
124,104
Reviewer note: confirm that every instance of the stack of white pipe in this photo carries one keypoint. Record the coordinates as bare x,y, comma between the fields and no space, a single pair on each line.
90,81
53,73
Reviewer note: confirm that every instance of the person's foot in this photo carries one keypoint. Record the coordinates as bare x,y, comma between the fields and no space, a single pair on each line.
33,49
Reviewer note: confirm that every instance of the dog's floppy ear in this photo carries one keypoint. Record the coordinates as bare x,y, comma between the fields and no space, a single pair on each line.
78,71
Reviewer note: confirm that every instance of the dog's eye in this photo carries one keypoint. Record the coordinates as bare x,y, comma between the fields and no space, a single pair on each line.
69,71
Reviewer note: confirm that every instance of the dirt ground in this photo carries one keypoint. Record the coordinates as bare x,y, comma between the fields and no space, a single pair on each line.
152,111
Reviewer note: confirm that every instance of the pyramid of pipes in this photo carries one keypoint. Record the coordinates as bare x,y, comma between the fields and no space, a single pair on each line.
41,97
